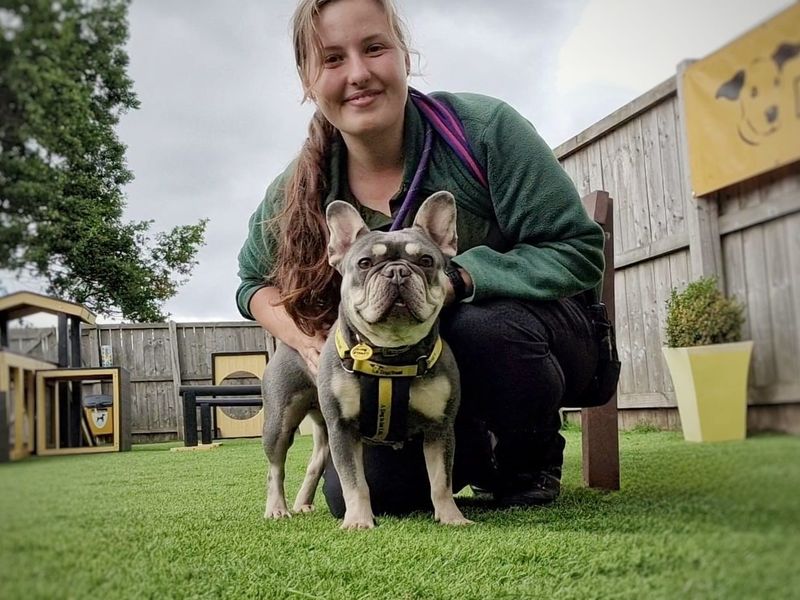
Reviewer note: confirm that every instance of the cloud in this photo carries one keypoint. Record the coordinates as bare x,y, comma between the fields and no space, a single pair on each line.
221,113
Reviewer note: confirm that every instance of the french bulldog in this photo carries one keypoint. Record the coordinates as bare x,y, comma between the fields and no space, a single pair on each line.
384,373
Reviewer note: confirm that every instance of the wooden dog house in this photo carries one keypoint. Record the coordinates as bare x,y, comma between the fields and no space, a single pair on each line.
23,399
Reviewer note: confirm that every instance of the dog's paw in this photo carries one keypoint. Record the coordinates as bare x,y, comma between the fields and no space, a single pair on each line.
451,515
358,523
303,508
277,512
457,521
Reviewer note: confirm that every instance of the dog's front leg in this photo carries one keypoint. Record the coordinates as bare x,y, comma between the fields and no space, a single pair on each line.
348,458
438,449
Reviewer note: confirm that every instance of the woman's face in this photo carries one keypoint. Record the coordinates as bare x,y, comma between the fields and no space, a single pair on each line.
362,88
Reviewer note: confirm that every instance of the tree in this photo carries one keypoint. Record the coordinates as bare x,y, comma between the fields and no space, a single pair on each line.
63,88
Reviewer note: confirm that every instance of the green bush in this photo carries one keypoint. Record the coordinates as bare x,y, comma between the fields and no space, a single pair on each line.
701,315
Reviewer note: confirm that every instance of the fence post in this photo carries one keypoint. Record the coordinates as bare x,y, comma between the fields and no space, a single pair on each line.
702,214
175,362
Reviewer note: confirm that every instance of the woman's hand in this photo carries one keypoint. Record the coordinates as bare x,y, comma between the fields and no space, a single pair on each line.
265,306
309,347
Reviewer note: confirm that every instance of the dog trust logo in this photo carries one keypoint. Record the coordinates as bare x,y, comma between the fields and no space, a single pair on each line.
742,105
759,90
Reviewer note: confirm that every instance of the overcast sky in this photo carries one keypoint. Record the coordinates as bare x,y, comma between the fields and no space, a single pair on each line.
220,112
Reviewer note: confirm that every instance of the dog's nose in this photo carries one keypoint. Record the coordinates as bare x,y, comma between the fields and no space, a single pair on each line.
771,113
396,272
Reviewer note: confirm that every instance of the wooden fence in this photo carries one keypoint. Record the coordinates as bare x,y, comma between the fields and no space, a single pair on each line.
160,357
747,235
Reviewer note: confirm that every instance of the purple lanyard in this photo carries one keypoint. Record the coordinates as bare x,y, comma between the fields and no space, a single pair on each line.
442,118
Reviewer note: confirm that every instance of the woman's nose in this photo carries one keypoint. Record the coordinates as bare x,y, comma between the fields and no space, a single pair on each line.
358,73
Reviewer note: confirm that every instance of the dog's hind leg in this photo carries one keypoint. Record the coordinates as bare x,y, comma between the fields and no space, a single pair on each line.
316,465
438,452
280,424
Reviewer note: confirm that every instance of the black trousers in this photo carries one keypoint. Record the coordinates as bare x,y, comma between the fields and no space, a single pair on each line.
520,361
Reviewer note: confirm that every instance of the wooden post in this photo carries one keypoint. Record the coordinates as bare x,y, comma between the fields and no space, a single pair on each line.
5,454
175,362
702,214
599,425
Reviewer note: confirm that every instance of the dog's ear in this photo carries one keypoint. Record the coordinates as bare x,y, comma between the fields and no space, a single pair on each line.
731,88
785,52
437,217
345,225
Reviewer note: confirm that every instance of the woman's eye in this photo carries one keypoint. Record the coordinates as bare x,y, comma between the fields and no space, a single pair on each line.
365,263
373,48
426,261
331,59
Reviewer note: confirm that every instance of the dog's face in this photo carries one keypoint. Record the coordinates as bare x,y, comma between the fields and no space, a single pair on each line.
758,89
393,283
760,97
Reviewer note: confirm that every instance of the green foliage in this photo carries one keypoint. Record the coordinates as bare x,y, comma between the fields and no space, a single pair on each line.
63,88
701,315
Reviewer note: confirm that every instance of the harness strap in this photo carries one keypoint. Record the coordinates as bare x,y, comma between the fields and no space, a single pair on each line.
384,421
360,355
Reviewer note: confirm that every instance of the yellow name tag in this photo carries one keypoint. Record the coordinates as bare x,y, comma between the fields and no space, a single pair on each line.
360,352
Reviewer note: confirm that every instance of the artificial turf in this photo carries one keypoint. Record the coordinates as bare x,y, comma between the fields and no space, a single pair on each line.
692,520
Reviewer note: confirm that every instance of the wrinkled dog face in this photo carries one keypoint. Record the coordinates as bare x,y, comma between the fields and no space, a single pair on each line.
393,283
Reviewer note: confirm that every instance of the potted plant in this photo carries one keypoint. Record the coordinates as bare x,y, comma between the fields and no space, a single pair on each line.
708,363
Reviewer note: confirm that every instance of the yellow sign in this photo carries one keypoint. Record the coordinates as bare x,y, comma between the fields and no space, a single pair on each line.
743,105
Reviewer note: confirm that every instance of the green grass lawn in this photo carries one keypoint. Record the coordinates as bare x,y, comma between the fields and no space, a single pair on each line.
692,520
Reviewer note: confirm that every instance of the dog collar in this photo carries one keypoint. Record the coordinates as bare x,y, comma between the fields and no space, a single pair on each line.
361,354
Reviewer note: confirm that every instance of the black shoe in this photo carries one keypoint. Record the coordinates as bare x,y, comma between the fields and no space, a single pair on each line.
536,489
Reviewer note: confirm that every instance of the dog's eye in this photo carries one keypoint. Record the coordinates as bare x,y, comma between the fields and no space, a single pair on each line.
426,261
365,263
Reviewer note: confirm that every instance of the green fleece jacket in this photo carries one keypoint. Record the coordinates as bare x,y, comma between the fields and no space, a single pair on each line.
526,237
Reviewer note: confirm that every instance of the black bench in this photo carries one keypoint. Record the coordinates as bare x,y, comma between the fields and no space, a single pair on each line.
206,396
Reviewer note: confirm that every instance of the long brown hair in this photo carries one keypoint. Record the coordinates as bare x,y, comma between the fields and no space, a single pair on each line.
308,285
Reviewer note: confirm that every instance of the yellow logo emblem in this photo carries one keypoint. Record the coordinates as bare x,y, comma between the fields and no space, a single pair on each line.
361,352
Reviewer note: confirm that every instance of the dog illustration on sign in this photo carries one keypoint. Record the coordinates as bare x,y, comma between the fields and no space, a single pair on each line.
758,89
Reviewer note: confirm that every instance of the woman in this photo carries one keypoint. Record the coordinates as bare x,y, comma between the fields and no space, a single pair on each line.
528,254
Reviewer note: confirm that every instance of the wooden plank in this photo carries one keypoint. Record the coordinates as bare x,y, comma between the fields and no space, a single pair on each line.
663,287
618,118
570,167
654,178
786,351
751,216
595,167
758,309
636,330
649,252
701,213
626,384
792,225
775,393
175,367
652,332
647,400
669,142
637,184
614,157
736,280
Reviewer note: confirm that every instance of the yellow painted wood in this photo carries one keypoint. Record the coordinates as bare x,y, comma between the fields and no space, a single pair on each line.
22,304
226,365
42,402
253,364
19,370
711,389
